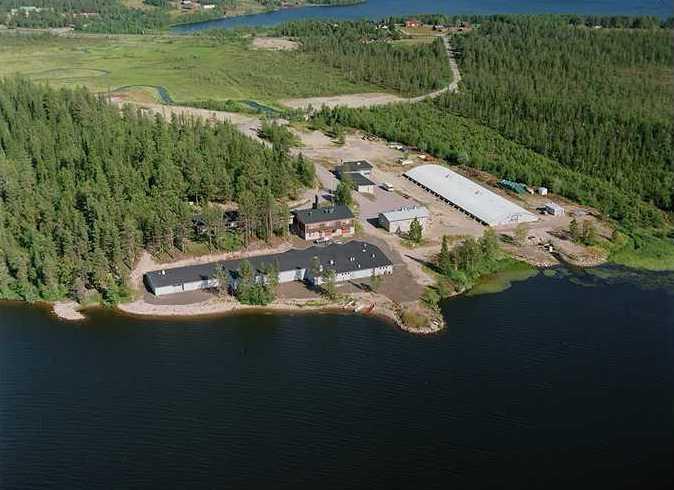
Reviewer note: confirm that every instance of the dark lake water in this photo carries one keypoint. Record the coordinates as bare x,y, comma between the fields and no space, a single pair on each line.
551,384
377,9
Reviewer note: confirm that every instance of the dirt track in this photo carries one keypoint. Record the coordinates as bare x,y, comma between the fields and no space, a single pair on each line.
378,98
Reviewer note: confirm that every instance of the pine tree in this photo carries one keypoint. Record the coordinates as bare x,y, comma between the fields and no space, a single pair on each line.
415,234
445,258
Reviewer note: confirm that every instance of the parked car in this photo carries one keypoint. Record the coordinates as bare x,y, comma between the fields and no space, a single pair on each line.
388,187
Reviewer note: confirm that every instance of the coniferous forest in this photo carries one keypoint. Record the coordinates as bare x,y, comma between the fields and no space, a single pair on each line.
547,100
364,52
597,100
83,187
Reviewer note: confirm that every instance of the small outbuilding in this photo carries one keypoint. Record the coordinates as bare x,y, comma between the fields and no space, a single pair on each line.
554,209
543,191
400,220
516,187
362,184
362,167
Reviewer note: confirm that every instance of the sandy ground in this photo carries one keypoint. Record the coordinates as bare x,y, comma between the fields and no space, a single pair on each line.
275,43
445,220
68,310
363,302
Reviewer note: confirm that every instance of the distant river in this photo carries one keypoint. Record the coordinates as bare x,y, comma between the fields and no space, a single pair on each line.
377,9
562,382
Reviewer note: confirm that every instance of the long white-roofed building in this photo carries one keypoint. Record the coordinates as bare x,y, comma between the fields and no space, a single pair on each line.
485,206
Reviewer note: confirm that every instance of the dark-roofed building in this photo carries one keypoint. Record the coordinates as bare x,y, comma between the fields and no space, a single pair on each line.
362,167
362,183
352,260
323,223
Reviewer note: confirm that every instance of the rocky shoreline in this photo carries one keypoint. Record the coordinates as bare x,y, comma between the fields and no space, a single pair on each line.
368,304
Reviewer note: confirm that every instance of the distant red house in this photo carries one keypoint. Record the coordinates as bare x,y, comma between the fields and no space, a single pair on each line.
412,23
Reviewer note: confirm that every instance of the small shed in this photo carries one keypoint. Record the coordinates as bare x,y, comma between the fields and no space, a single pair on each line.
362,183
362,167
399,220
515,187
554,209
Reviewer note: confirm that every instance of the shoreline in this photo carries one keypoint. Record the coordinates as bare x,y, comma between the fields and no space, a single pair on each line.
261,12
366,304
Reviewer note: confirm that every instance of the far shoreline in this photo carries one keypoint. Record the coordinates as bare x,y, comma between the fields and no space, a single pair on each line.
261,12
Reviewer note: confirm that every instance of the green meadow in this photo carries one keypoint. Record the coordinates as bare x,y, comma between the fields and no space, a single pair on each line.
189,67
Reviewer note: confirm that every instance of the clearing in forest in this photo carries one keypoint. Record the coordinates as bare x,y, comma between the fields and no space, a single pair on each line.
188,68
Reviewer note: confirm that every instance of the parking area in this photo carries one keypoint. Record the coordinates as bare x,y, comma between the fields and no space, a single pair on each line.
382,200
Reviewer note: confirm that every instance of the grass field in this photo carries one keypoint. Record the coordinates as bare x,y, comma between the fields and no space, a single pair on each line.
188,67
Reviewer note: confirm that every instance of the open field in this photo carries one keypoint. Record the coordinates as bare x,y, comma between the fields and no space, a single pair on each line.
189,68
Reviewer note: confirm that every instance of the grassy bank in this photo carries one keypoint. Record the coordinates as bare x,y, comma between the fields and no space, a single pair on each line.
188,67
644,250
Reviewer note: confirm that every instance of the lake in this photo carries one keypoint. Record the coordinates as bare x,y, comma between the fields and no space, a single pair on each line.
377,9
558,382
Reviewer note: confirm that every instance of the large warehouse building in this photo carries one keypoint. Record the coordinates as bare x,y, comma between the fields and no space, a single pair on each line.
482,204
351,260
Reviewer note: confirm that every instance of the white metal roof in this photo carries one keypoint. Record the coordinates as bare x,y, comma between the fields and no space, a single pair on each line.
482,203
404,214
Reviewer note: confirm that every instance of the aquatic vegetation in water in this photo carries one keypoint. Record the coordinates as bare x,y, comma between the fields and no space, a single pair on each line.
502,280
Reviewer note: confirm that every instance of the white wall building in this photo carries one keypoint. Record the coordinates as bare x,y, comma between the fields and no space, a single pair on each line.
400,220
352,260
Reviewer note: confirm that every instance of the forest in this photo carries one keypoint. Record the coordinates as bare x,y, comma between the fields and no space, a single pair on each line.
105,16
587,112
598,101
84,187
126,16
364,52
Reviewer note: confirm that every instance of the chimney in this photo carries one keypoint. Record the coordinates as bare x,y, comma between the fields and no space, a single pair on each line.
316,201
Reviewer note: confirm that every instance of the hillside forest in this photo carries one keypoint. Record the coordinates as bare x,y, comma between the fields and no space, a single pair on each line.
83,187
364,52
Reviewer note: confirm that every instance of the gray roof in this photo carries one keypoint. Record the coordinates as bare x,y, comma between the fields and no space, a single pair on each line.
355,166
404,214
350,256
312,215
359,179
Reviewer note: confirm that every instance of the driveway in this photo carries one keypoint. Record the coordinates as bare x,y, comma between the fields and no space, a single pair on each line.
370,204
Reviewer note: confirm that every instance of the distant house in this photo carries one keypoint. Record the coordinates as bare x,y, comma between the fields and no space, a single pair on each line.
362,167
399,220
352,260
323,223
412,23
